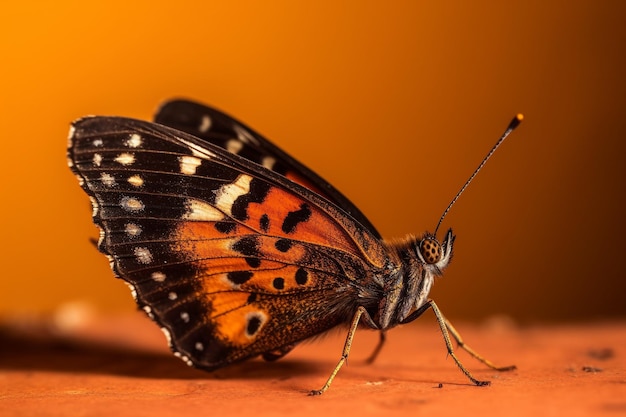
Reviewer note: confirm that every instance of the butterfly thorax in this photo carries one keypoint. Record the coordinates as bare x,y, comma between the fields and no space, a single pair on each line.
415,262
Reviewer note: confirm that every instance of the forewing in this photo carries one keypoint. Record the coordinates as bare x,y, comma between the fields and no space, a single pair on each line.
231,259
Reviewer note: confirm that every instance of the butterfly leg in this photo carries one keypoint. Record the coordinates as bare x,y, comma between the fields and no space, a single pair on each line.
445,325
346,348
378,348
457,337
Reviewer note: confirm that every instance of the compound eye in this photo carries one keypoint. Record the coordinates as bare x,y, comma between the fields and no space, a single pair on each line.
430,250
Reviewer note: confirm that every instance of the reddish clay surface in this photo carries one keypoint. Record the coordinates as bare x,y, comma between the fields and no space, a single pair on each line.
120,366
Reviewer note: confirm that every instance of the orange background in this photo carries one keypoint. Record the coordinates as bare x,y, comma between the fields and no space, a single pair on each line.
394,103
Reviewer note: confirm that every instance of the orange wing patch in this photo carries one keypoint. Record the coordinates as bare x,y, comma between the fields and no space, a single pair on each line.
250,206
236,319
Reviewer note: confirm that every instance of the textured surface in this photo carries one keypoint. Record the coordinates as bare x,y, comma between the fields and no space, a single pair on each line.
120,366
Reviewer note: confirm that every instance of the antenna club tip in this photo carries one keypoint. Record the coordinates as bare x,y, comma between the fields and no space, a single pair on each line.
516,121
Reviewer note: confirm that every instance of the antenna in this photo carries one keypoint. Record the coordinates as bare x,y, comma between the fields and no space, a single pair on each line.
514,123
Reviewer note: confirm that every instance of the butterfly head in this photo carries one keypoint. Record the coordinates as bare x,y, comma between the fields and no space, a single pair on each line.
406,289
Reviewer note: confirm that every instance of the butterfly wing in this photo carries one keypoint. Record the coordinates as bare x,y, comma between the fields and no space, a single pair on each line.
231,259
228,133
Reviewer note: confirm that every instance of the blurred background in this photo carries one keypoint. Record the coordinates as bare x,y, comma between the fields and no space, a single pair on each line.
395,103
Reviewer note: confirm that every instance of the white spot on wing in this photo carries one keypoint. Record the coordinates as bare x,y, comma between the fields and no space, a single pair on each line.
227,194
133,290
132,229
202,211
189,164
70,135
268,162
131,204
97,142
97,159
172,296
199,346
134,141
184,316
125,158
135,180
148,311
143,255
168,336
94,206
107,179
184,358
234,146
158,276
205,124
101,238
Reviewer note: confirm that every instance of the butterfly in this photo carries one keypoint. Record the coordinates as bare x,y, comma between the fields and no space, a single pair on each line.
237,250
